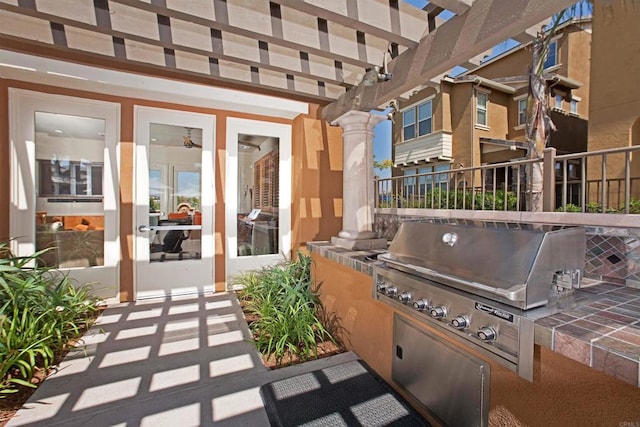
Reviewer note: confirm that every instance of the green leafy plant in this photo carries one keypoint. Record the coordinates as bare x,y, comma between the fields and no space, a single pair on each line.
287,317
593,207
569,207
454,199
634,206
41,310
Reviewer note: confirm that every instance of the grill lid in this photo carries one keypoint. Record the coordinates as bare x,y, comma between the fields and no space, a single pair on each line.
520,267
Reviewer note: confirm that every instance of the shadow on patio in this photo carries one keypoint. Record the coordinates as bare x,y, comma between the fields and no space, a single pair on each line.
184,361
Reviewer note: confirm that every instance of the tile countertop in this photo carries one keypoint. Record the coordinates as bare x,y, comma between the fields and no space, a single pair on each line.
600,329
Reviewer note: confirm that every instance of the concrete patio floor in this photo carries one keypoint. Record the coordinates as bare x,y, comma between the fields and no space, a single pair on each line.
180,361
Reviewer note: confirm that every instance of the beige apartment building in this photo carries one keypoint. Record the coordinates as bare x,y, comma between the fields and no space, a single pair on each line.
614,112
478,117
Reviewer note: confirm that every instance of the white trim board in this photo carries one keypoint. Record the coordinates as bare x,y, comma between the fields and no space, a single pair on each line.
23,67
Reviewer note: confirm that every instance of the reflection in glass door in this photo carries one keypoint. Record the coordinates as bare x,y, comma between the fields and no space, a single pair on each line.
258,198
175,216
257,194
69,154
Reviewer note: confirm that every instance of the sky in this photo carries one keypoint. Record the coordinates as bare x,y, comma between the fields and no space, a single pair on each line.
382,132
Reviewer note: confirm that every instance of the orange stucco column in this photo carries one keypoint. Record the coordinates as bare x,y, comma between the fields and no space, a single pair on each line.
357,185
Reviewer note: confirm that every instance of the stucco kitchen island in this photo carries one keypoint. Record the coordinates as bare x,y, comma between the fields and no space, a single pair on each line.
563,392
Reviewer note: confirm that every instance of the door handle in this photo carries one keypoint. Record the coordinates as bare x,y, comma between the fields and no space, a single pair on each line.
144,228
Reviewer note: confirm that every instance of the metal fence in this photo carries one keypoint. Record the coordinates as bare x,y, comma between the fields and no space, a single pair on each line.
596,181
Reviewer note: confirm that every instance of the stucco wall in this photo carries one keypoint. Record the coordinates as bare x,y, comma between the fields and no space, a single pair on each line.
615,67
462,110
317,180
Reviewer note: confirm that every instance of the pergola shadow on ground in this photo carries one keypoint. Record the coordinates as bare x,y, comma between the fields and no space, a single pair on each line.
185,361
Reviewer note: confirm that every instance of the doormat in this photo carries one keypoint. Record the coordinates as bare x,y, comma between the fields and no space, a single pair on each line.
349,394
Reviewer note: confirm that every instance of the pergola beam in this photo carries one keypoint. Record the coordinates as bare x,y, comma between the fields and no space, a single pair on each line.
456,6
486,24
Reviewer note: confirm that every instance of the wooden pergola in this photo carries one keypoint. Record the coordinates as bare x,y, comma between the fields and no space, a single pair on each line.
311,50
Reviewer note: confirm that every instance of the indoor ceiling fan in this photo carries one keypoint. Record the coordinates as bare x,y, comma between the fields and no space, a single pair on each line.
249,144
188,143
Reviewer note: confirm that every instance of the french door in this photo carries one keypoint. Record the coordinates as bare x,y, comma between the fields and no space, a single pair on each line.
174,199
64,185
257,194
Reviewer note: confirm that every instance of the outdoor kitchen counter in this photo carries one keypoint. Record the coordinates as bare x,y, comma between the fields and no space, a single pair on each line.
599,325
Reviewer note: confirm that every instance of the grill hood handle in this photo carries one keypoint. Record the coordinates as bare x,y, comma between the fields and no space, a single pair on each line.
514,293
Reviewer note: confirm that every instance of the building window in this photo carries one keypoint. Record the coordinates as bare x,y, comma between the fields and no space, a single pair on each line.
424,119
572,172
558,102
408,124
423,183
574,106
552,55
424,113
482,101
522,111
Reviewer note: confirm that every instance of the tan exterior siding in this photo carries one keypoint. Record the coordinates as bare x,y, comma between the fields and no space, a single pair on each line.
512,65
317,181
579,63
462,112
614,111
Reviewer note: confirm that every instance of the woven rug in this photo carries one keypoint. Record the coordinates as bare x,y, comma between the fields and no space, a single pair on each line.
349,394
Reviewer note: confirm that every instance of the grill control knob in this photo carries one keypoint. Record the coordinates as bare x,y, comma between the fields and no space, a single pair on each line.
391,291
381,286
460,322
487,333
421,304
438,312
404,297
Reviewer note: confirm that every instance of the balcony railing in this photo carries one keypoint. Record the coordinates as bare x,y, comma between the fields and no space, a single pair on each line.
597,181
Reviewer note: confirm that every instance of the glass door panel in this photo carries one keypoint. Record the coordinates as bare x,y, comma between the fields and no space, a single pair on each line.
175,217
69,152
257,194
258,199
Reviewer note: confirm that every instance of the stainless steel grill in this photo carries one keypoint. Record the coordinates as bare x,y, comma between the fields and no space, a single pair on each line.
480,284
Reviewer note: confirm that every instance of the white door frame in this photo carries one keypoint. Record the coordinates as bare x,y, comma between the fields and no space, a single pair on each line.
235,126
176,277
23,105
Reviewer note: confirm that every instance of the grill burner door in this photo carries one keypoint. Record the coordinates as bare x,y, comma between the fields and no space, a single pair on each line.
451,384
